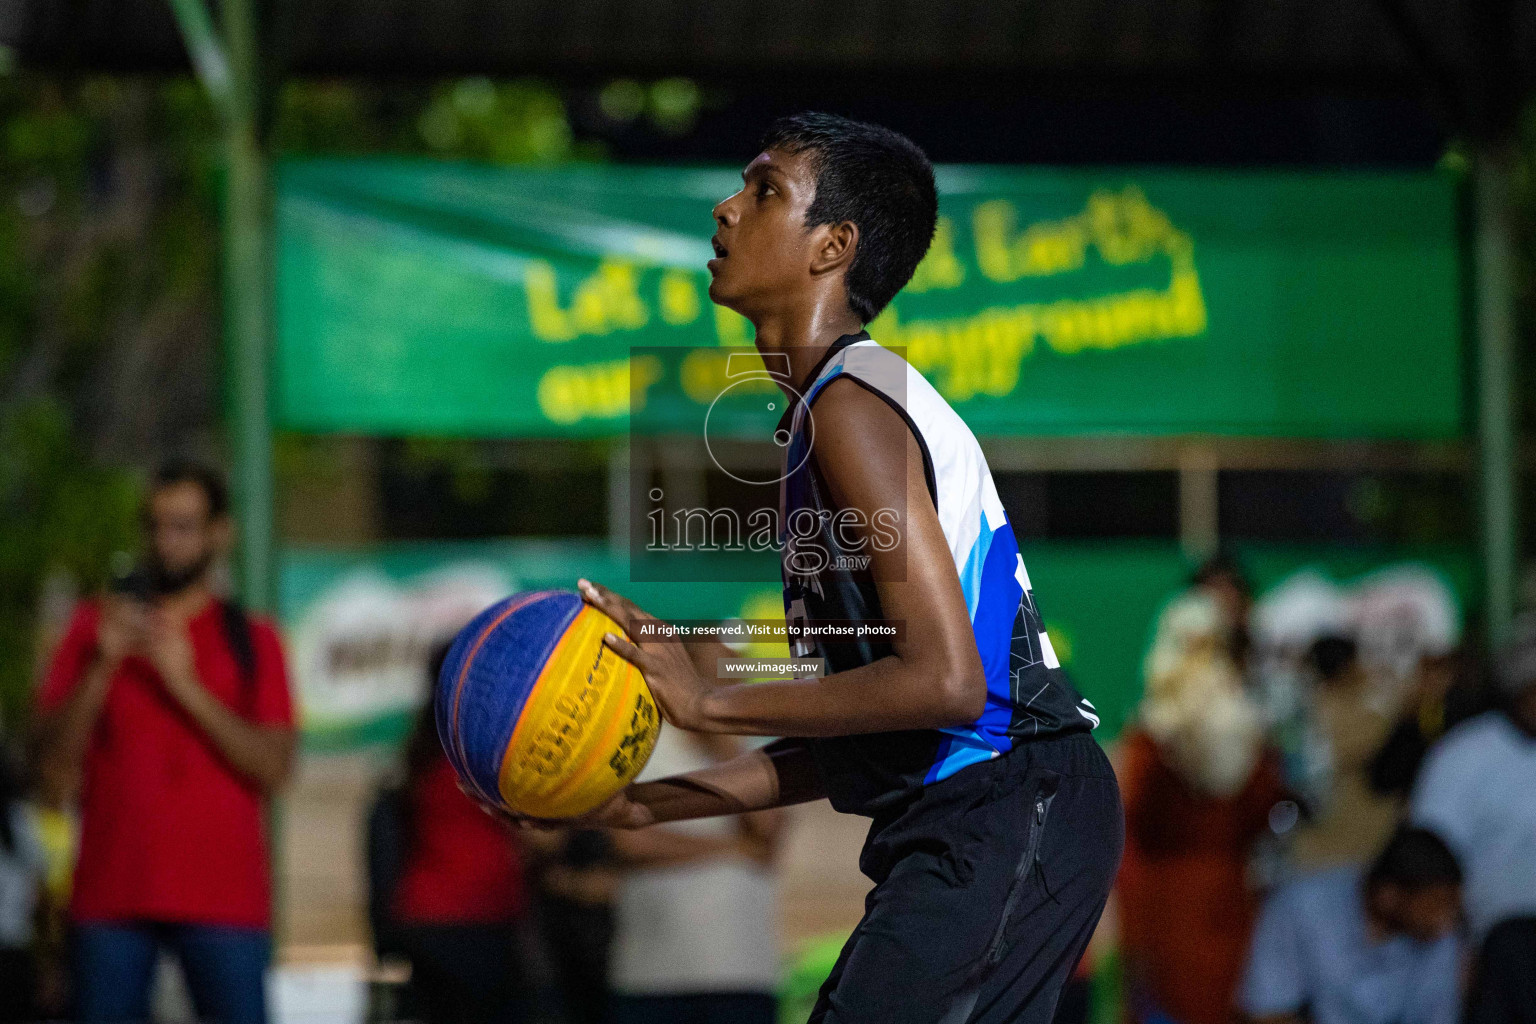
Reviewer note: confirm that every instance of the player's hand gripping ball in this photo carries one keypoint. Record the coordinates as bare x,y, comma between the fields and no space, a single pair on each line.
537,715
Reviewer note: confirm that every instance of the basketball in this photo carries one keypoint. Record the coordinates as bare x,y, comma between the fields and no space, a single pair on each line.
534,711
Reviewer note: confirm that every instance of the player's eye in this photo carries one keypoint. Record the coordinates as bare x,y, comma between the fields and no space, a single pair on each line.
764,189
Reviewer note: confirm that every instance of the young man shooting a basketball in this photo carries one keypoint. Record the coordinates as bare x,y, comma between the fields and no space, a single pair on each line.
996,825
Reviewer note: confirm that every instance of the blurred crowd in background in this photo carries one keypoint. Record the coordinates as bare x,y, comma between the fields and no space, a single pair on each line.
1329,808
137,827
1330,803
1330,790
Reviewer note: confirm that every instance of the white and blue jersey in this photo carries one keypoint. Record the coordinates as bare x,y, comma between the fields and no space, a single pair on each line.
1028,695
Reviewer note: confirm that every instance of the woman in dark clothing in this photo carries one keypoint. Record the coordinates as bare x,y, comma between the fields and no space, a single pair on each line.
575,880
1450,689
458,907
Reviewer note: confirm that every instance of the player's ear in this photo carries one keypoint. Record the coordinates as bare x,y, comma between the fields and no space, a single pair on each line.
835,247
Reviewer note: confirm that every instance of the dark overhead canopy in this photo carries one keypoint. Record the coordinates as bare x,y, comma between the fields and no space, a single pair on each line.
1472,59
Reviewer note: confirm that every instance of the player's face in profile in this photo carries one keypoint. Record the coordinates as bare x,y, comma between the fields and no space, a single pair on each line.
763,250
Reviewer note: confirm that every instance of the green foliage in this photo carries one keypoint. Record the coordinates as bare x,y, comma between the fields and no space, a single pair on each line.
519,122
522,121
62,513
109,263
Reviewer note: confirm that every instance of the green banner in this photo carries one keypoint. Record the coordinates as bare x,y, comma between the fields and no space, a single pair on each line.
361,624
436,298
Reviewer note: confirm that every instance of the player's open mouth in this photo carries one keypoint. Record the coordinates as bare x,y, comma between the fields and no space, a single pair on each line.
720,252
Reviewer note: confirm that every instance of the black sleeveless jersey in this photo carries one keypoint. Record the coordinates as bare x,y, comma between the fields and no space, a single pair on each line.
1028,694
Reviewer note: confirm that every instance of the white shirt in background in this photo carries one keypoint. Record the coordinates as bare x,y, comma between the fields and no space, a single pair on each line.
1477,791
709,926
21,877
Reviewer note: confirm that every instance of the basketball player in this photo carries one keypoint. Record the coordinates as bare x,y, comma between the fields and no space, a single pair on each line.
996,823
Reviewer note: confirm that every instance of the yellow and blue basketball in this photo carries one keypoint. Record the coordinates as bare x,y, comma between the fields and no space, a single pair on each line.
535,712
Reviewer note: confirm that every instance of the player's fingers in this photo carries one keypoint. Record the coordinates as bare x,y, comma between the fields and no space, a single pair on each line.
609,814
501,814
628,651
539,824
475,795
510,817
494,810
604,600
618,608
599,595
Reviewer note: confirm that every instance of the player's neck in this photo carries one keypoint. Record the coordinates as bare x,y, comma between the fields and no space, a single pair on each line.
804,336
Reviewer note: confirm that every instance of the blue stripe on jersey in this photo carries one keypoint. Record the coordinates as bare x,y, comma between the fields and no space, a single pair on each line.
994,593
997,608
990,571
960,749
971,573
826,378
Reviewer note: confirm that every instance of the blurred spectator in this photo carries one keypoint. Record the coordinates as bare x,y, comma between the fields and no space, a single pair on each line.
1351,946
696,911
1448,691
1198,785
1287,622
458,900
1194,707
1478,790
170,707
23,864
1504,982
1349,821
1222,578
1402,614
59,833
1403,624
576,882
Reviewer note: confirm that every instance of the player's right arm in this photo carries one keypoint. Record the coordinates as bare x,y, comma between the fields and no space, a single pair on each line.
778,775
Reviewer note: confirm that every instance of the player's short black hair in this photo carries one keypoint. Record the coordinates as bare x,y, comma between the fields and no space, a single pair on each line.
1415,858
876,178
188,471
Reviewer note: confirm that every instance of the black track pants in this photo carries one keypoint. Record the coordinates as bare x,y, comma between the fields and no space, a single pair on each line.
987,890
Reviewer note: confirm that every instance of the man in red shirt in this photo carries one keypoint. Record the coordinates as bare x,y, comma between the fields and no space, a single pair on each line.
170,708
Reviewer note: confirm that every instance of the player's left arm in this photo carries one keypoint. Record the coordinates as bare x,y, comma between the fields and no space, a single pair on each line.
870,461
662,847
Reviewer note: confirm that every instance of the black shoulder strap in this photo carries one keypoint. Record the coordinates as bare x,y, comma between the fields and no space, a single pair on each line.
237,632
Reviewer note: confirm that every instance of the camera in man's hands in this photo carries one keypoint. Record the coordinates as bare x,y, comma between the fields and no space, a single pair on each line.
137,583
